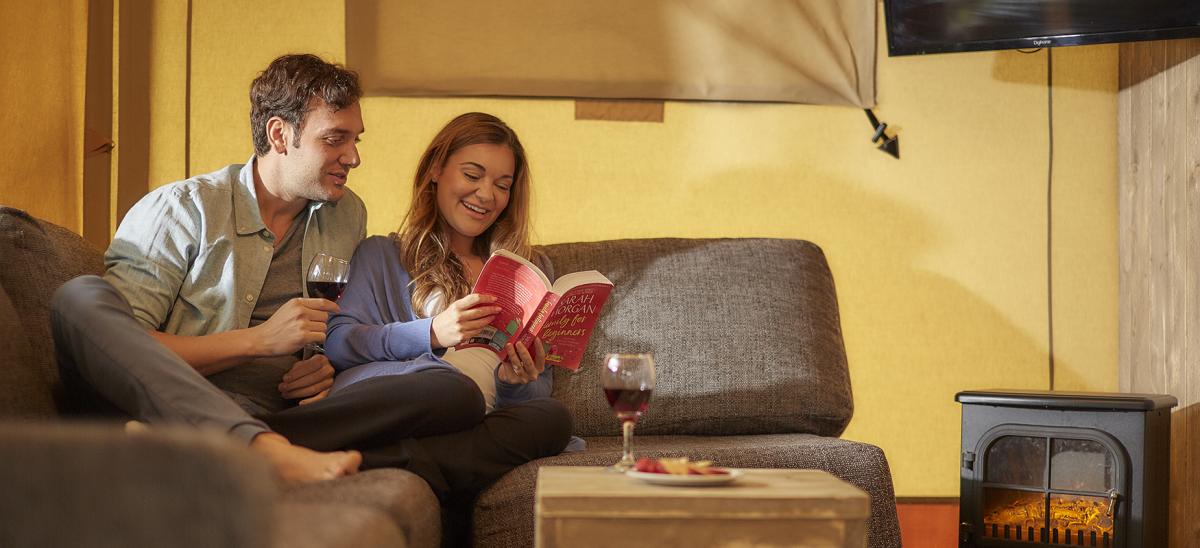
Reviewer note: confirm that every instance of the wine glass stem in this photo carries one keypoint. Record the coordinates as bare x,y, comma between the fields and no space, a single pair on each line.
627,455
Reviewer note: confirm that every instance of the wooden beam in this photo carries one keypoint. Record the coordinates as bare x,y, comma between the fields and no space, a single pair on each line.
98,125
625,110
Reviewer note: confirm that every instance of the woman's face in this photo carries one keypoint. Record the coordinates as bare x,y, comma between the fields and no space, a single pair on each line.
473,188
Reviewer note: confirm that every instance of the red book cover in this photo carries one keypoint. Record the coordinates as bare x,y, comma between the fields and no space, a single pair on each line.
568,324
562,314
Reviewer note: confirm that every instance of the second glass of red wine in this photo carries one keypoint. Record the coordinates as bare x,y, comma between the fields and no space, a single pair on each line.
628,381
327,277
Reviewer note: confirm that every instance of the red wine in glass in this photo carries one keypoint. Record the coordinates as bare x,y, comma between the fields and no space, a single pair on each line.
326,278
628,403
628,381
326,290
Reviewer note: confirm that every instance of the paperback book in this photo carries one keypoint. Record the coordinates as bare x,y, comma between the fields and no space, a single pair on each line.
562,314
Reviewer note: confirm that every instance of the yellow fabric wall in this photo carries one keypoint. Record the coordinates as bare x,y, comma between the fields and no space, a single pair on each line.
939,258
43,54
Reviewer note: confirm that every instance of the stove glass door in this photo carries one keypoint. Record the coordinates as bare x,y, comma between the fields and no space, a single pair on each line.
1049,490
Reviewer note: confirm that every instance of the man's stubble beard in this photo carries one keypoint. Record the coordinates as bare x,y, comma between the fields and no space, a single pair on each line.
308,186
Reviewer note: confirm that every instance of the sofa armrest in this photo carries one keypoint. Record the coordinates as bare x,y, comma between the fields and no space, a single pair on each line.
64,484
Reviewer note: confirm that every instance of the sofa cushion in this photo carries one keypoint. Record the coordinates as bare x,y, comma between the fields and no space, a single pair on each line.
330,525
399,494
38,257
745,334
504,513
26,393
86,485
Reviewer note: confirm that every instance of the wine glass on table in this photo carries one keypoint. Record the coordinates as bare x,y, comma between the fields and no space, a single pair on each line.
327,277
628,381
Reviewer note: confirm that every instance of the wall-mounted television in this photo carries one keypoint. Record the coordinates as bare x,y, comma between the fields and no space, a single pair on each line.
940,26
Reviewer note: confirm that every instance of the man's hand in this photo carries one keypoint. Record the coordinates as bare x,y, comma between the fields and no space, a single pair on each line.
521,368
307,379
462,320
297,323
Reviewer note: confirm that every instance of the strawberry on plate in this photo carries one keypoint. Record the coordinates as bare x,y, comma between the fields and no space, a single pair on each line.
648,465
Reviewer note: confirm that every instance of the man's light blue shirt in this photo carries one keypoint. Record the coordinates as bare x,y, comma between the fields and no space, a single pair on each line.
191,257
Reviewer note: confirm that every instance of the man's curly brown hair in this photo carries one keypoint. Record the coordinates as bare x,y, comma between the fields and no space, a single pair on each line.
286,86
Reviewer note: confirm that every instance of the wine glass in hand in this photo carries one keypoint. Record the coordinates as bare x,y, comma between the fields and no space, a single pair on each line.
628,381
327,277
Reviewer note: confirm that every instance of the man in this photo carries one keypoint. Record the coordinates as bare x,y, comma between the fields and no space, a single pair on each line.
200,313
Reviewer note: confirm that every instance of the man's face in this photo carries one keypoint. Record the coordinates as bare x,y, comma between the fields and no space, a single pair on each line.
318,162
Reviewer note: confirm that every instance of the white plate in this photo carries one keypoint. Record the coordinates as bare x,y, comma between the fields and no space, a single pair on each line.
694,480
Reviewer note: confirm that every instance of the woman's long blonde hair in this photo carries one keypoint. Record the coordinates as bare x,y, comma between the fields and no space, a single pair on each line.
423,240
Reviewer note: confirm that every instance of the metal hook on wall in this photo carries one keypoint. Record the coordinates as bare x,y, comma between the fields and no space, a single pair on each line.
890,145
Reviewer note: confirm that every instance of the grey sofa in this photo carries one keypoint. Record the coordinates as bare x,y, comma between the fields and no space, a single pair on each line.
751,373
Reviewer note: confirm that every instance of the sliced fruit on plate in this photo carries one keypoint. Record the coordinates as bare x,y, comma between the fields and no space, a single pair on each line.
680,466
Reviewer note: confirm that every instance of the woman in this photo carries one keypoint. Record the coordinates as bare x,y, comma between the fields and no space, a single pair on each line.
408,301
470,198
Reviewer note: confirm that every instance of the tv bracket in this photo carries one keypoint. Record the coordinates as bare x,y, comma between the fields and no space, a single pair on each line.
890,145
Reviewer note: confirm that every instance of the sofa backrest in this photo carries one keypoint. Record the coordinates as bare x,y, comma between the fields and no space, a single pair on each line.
35,258
745,334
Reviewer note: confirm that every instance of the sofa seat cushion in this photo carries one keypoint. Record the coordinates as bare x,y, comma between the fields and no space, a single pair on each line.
745,334
504,512
332,525
400,495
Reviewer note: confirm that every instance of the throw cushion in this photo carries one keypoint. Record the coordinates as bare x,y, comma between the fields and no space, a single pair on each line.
27,393
38,257
745,334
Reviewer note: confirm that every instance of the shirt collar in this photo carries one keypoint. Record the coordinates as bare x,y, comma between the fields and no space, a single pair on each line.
245,201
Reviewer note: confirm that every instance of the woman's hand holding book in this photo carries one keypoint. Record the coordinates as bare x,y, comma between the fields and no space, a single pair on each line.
462,320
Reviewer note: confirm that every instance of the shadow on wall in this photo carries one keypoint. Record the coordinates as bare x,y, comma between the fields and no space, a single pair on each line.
133,108
914,336
1012,66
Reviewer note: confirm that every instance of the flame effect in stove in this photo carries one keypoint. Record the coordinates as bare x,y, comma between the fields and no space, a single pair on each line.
1073,520
1080,514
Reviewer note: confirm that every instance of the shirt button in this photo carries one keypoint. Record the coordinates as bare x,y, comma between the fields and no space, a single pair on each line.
249,297
266,248
241,229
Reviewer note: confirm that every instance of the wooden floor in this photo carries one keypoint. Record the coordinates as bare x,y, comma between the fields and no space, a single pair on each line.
928,523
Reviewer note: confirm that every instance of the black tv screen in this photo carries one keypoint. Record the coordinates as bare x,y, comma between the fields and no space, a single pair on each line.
939,26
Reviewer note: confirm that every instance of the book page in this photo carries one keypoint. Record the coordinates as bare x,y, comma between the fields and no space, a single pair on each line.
518,287
566,282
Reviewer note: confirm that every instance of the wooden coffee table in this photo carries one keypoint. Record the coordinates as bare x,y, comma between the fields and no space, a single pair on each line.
582,506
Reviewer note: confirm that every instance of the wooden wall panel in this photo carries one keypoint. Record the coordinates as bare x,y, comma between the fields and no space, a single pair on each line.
1159,159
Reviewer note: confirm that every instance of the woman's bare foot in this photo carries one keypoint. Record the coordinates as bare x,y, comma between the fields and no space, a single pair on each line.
298,465
134,428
